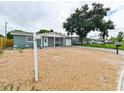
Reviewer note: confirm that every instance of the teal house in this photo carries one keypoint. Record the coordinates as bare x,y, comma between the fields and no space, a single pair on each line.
52,39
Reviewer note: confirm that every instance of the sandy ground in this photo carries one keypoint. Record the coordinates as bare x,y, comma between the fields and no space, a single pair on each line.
65,68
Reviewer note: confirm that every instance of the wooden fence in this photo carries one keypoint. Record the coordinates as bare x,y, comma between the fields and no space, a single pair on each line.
4,42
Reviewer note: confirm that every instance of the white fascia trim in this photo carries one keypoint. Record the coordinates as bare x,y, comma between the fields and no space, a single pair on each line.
22,34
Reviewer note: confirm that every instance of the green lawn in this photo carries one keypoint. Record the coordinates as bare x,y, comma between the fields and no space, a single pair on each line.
112,46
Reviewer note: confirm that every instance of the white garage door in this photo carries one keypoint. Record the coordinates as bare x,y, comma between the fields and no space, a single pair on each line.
68,42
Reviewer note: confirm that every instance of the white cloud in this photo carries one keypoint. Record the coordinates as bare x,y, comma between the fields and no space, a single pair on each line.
34,15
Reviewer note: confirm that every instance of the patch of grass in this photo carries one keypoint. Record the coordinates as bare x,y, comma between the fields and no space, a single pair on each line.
9,87
18,88
5,88
33,88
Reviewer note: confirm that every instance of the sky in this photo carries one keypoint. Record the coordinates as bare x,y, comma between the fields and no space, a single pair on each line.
31,16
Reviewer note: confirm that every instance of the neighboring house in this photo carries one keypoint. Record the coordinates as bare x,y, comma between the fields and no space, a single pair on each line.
75,40
52,39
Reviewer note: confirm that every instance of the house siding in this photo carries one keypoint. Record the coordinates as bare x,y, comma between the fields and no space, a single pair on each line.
21,42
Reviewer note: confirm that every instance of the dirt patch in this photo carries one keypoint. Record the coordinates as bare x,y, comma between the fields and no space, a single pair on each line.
66,68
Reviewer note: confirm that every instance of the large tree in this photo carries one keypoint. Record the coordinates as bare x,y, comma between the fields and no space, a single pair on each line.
84,20
98,13
79,23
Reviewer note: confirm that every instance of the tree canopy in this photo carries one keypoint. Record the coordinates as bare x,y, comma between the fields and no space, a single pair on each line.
120,36
1,35
113,39
45,31
9,36
84,20
78,23
104,27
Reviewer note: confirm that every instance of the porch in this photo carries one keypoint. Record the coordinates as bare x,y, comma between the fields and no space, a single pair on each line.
52,41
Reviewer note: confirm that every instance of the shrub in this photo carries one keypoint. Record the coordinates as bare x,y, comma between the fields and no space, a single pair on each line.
33,88
20,51
17,88
1,51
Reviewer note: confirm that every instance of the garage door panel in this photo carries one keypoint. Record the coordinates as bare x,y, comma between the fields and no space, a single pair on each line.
68,42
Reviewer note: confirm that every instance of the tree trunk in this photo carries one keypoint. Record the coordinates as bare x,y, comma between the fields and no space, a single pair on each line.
71,39
104,40
81,40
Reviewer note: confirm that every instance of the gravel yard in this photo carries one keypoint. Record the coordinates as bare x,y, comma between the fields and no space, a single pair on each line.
63,68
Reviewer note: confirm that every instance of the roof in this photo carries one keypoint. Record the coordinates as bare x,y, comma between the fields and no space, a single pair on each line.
50,34
53,34
22,33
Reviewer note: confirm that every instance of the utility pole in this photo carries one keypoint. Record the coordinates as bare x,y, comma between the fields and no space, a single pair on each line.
5,35
5,29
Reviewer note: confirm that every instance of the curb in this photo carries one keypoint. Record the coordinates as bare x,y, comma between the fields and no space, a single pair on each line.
120,81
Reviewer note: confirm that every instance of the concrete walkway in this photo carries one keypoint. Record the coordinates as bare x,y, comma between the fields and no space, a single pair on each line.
120,86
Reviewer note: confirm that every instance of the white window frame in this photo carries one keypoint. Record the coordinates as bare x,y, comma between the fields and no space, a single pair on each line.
28,37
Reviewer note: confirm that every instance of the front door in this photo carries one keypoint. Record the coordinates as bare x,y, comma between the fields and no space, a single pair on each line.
45,41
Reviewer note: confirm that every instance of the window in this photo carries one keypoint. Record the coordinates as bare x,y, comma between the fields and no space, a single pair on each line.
57,40
29,38
45,40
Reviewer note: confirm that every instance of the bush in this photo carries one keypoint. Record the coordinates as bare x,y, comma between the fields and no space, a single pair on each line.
1,51
20,50
9,87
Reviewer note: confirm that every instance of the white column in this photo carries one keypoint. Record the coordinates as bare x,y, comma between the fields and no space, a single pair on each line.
63,41
54,42
35,58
